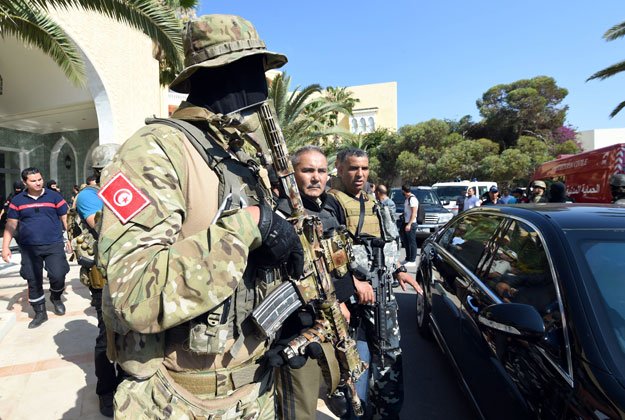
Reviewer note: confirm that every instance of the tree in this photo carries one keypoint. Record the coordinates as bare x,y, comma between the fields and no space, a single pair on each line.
29,21
300,114
341,96
615,32
528,106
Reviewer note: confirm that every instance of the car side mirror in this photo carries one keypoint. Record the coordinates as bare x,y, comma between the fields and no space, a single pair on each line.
514,319
445,202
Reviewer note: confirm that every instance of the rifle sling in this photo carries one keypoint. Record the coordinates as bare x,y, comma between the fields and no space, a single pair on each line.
361,217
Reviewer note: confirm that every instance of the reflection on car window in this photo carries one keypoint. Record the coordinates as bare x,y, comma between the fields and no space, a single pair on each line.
467,237
519,272
607,265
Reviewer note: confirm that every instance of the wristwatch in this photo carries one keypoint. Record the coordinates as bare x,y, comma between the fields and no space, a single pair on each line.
400,269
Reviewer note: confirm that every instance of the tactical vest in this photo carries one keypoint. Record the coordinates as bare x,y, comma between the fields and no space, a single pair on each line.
224,339
370,226
352,209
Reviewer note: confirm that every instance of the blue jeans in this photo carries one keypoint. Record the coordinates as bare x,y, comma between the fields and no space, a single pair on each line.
411,243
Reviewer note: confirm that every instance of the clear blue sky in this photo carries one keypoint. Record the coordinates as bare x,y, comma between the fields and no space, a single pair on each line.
445,54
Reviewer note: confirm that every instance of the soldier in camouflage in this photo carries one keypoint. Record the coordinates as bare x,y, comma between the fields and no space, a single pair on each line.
189,243
356,209
83,236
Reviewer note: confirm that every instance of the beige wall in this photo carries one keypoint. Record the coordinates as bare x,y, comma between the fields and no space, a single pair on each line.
380,98
123,75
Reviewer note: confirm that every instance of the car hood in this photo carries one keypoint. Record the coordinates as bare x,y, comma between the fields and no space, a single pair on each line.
431,208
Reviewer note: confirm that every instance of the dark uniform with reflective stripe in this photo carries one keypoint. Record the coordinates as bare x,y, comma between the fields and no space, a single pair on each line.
41,241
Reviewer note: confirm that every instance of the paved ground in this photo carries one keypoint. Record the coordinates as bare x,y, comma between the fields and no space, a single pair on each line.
48,372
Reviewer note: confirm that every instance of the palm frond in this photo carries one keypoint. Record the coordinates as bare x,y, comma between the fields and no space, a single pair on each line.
32,26
615,32
618,109
608,71
148,16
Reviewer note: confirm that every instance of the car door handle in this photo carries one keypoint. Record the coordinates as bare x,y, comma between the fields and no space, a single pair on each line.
471,303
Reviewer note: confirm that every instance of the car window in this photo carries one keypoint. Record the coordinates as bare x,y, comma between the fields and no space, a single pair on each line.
450,193
519,272
466,238
605,261
426,196
482,190
398,197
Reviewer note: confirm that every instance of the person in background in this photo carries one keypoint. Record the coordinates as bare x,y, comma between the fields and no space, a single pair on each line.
370,188
519,195
18,186
538,192
557,193
75,191
493,197
506,198
89,207
617,187
381,193
471,200
411,206
91,180
52,185
40,216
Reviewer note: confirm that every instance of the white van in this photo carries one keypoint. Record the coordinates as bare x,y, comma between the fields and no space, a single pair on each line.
448,192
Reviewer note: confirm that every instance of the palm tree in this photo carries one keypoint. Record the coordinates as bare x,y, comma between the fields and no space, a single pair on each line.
302,117
615,32
29,21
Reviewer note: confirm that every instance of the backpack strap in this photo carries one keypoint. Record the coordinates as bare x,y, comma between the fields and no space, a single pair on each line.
212,154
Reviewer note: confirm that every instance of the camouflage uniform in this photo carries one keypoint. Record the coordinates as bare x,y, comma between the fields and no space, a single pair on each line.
386,387
180,289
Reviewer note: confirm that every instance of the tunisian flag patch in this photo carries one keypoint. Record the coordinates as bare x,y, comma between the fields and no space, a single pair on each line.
123,198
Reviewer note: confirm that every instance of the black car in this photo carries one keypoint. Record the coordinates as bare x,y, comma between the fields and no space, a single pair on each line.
528,302
435,214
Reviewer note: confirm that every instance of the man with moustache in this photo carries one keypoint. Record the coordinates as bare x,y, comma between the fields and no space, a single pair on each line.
297,389
356,210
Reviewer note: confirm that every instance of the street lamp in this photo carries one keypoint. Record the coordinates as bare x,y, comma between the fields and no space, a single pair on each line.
68,162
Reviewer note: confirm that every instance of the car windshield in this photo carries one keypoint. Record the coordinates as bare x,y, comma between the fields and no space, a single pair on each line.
424,196
451,192
604,265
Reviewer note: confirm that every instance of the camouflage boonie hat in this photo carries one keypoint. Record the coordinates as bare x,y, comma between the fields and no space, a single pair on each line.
216,40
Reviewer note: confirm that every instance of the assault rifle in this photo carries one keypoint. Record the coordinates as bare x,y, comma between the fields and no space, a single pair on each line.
380,277
322,256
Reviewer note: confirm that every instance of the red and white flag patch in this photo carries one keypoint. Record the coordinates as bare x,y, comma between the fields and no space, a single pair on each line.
123,198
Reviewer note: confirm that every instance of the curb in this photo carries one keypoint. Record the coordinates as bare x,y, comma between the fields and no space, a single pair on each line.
7,320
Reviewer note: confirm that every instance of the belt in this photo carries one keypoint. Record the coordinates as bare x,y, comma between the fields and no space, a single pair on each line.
219,382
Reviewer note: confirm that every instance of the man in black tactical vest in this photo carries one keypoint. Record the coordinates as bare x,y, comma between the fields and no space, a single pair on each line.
296,389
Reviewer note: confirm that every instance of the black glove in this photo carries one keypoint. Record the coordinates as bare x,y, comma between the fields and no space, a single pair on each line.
280,243
294,325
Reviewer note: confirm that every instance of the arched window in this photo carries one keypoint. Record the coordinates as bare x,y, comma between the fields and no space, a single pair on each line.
370,125
363,126
354,125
